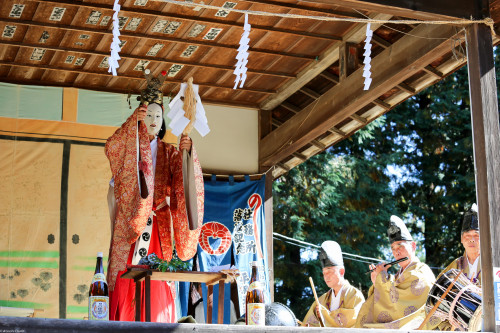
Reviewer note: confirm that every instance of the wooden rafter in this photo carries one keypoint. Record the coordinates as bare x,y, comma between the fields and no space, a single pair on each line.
408,56
142,36
123,76
417,9
136,57
155,14
355,35
307,8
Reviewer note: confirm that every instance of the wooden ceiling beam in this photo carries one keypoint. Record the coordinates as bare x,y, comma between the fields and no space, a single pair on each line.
382,104
309,92
431,70
359,119
318,144
314,143
300,156
331,77
155,38
392,66
415,9
380,41
284,166
310,9
193,18
122,76
329,57
407,88
131,56
290,107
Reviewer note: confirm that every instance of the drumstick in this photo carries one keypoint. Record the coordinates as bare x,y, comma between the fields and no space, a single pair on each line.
321,319
429,315
390,263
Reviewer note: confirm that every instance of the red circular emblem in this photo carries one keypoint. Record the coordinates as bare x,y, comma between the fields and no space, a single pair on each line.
215,230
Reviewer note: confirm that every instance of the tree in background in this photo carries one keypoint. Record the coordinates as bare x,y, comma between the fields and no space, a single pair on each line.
415,162
346,198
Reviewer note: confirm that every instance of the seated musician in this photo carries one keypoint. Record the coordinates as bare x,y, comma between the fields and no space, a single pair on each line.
340,305
397,302
470,262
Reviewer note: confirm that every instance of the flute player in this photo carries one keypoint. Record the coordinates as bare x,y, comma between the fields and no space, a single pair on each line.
397,302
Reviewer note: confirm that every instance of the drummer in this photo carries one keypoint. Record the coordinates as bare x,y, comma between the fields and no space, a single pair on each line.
340,305
470,262
397,302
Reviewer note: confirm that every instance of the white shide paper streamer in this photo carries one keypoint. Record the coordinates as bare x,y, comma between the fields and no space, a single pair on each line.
241,65
177,115
367,61
115,45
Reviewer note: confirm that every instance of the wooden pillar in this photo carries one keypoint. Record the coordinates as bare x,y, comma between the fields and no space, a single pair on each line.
268,211
70,104
486,136
348,59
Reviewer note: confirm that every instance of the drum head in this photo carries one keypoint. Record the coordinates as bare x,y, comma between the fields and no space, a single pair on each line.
462,303
476,321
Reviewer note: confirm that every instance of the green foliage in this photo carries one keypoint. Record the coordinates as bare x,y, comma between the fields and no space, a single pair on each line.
415,162
330,197
164,265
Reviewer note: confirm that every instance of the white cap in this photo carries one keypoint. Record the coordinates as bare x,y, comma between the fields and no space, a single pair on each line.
474,207
99,254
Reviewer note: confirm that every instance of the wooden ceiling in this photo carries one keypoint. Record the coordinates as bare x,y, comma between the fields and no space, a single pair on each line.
304,75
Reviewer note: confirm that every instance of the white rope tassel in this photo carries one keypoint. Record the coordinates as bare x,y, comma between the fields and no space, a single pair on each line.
367,61
115,45
242,57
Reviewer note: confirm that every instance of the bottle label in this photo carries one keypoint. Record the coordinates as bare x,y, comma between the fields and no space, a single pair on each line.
98,307
98,277
255,285
256,313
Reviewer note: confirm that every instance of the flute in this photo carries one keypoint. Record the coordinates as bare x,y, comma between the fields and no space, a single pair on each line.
390,263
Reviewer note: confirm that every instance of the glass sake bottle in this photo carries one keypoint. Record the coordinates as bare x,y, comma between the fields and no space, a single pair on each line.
255,306
98,293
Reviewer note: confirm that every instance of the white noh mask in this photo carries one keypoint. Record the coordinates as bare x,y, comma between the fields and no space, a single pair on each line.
154,118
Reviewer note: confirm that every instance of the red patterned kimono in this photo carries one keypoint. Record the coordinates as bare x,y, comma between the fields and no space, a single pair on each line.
132,213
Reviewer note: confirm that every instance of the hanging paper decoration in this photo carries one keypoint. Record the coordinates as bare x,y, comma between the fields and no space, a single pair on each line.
241,65
188,113
367,61
115,45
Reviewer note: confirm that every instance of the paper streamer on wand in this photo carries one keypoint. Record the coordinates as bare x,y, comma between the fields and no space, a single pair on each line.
188,113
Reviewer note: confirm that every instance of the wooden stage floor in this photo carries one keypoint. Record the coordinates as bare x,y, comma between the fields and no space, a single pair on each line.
45,325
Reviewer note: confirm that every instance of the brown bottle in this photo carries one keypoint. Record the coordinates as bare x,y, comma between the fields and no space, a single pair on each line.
98,294
255,307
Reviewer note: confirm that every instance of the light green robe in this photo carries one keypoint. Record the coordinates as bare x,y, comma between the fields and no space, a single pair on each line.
351,300
397,302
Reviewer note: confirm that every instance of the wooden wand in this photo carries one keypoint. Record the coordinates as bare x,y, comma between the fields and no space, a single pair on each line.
321,319
429,315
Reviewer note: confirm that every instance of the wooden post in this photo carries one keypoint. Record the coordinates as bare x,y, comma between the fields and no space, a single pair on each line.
220,308
348,59
147,301
486,136
210,304
268,213
137,300
70,104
